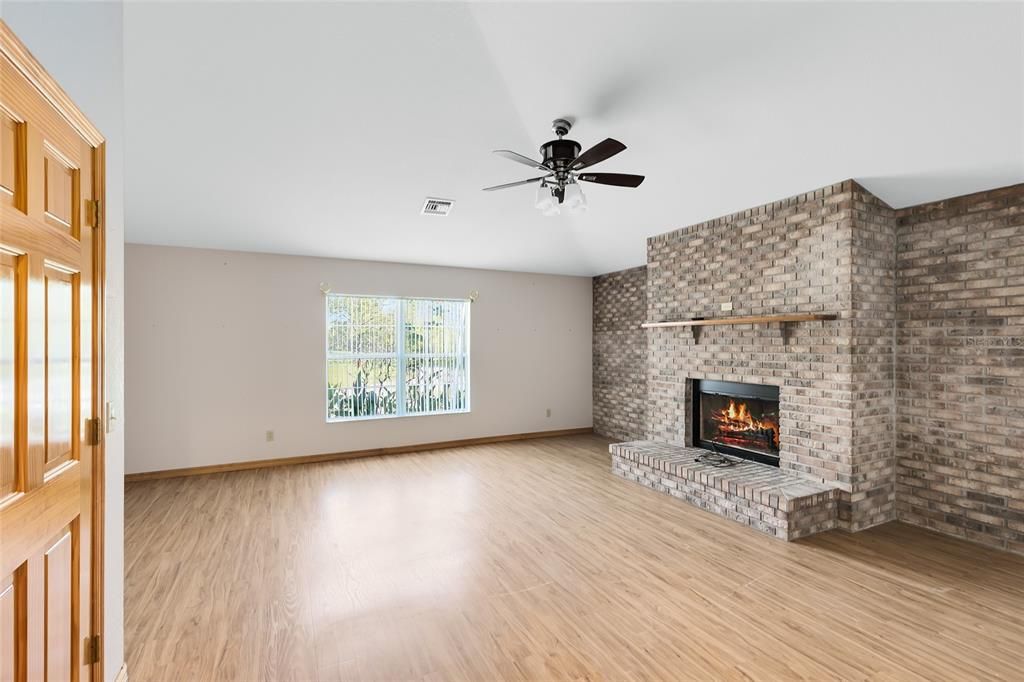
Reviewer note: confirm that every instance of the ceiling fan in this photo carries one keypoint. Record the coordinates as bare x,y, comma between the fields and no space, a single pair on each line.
562,166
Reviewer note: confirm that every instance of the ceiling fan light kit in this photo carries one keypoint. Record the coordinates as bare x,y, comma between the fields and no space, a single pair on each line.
546,202
573,200
562,163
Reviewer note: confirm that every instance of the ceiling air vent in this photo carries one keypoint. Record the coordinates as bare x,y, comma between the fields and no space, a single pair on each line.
435,206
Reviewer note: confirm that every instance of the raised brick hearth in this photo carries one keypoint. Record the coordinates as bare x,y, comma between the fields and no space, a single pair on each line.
928,301
770,500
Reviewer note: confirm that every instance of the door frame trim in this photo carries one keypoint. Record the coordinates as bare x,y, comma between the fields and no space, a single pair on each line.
19,55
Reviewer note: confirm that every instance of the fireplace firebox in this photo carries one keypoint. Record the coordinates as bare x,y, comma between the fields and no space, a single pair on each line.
737,419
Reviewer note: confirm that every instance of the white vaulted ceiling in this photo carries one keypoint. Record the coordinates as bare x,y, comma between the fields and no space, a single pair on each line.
319,128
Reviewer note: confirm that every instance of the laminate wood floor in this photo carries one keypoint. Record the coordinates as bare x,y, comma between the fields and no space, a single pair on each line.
530,560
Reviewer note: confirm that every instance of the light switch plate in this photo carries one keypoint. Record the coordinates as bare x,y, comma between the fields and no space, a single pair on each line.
727,306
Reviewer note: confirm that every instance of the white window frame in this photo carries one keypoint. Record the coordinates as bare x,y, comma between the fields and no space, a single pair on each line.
401,355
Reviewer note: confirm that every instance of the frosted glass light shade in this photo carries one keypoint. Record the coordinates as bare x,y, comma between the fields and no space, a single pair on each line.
543,197
574,199
546,202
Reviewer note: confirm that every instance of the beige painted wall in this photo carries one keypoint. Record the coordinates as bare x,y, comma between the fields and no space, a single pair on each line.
223,346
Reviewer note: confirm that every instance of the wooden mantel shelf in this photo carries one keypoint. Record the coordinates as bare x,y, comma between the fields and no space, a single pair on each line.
750,319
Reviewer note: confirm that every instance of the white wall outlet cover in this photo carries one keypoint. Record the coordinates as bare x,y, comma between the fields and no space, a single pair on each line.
727,306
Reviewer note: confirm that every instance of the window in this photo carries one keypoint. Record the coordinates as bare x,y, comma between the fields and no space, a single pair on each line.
393,357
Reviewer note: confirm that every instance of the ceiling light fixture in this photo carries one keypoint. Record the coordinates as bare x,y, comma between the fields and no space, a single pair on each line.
546,202
562,164
549,203
574,199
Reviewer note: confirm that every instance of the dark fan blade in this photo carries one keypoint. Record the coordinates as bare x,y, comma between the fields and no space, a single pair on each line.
515,184
617,179
519,158
596,154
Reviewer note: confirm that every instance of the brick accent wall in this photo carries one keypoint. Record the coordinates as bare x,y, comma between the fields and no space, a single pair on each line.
620,354
873,282
960,366
912,402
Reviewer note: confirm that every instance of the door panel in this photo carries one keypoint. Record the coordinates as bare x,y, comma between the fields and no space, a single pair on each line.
51,170
59,366
59,572
7,630
8,298
60,190
9,137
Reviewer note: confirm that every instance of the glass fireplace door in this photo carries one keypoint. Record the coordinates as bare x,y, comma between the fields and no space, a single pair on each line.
740,419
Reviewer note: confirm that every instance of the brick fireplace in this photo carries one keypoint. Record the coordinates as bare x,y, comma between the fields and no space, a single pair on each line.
834,251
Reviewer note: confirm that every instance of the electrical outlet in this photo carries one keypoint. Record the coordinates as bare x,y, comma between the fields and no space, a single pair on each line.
549,413
270,436
727,306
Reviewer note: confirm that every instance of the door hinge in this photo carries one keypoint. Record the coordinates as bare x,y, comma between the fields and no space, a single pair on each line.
93,429
92,650
96,211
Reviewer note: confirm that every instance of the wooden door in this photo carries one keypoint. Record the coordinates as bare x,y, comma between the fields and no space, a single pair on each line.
50,177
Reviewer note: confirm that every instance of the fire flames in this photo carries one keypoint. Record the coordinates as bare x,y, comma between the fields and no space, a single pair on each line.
735,423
